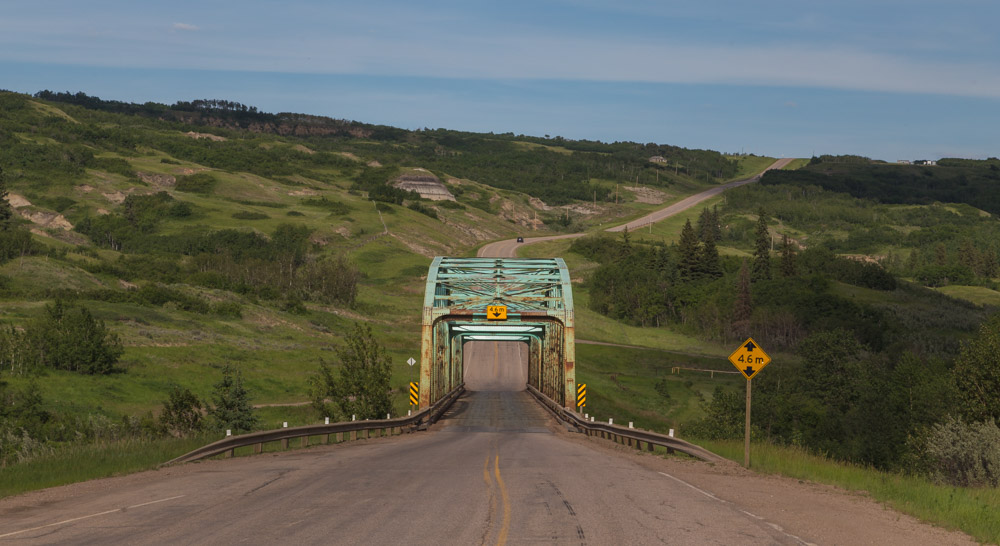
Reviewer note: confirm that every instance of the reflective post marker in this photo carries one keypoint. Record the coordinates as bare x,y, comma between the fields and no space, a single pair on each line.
414,393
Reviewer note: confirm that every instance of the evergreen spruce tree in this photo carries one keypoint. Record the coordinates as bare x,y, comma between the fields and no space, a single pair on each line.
626,247
716,224
5,209
788,268
708,259
743,308
762,250
688,250
704,226
662,261
231,403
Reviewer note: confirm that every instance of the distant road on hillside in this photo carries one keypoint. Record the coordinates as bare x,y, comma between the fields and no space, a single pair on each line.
508,248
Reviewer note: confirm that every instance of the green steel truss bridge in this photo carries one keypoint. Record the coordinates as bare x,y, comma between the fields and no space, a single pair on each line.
538,300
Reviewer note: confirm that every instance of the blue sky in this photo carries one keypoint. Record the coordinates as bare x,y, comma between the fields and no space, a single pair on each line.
889,79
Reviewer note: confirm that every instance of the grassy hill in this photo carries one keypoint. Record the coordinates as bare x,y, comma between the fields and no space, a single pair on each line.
199,232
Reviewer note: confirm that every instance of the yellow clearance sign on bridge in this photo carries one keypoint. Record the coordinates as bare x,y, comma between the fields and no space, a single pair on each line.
496,312
749,358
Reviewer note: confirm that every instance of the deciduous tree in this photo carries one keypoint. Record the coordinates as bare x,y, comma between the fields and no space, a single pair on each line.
977,374
362,387
743,308
788,267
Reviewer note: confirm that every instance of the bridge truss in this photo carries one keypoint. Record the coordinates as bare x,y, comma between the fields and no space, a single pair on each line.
538,299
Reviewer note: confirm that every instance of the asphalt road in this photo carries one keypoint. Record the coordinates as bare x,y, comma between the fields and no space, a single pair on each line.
496,470
508,248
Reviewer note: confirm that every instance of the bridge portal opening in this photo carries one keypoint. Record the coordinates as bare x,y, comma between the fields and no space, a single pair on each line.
495,365
530,343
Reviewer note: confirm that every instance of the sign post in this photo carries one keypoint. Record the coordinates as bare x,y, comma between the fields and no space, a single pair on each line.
413,400
749,359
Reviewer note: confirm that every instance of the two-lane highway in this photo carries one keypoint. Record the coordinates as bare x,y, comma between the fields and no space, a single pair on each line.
508,248
497,470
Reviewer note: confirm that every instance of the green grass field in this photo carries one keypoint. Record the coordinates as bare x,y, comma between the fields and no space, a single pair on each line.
979,295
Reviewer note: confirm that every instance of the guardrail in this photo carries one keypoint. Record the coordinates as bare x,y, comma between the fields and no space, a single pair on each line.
629,436
383,427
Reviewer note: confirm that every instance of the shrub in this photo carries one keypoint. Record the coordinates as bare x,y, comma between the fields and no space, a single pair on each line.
179,209
228,309
335,207
59,203
181,412
965,454
202,183
427,211
248,215
294,306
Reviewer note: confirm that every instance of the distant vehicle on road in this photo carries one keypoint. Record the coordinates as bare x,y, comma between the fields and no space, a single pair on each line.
520,239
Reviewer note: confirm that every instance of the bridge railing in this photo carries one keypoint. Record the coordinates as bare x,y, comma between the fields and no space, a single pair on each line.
629,436
382,427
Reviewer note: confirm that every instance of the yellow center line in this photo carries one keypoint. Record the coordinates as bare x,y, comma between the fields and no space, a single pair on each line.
493,499
504,527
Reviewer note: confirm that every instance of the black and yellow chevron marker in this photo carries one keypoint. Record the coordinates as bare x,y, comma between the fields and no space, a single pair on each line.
581,395
414,394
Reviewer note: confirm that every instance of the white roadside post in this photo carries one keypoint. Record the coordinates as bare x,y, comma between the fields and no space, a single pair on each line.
411,362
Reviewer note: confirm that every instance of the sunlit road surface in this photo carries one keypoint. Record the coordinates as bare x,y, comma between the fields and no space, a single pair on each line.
497,470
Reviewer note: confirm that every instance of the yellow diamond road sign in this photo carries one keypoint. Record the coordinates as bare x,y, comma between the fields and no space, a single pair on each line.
749,358
496,312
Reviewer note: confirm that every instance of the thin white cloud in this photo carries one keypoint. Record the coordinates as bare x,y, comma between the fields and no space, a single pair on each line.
366,45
